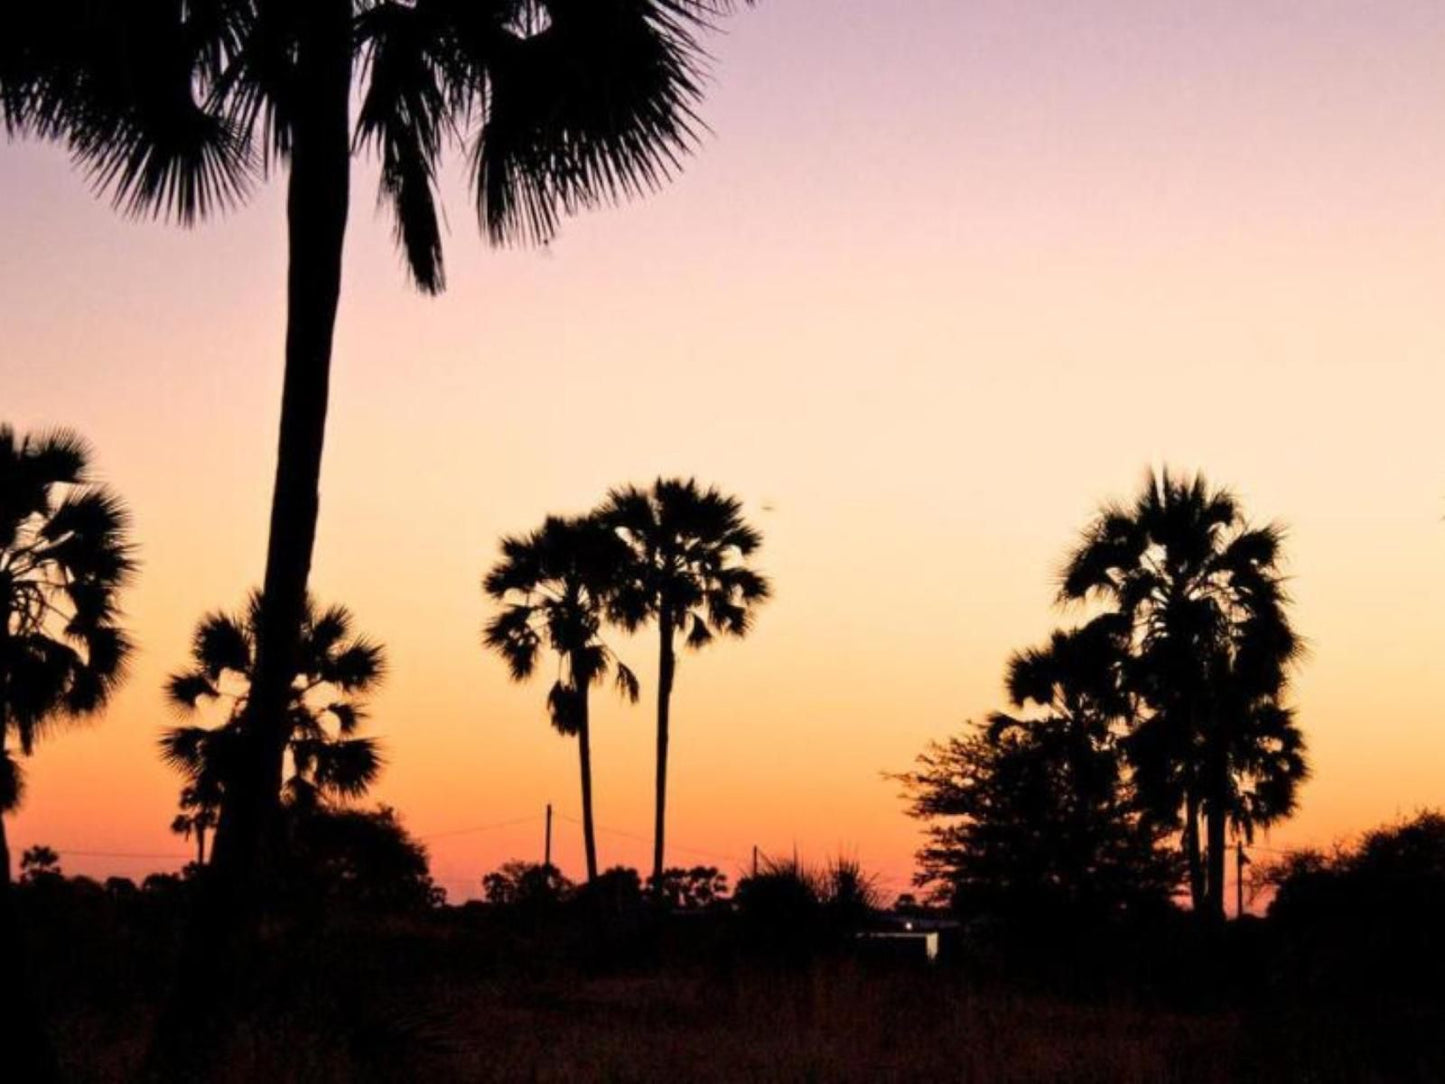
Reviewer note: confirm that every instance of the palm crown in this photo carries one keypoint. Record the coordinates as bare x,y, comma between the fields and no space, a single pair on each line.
178,109
334,672
1210,652
64,556
556,584
686,572
688,546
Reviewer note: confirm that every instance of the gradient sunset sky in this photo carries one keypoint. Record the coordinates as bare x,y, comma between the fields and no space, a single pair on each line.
945,276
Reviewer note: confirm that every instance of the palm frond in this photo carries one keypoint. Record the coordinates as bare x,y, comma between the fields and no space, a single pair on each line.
627,683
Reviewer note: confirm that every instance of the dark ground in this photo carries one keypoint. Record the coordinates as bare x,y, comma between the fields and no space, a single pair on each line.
475,995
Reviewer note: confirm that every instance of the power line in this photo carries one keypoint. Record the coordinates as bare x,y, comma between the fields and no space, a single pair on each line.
117,854
481,827
644,839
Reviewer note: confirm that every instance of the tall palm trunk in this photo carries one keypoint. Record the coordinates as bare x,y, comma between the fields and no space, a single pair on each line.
666,668
200,845
316,211
227,907
584,753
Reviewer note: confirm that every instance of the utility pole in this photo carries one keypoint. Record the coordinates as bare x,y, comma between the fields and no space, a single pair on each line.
1240,861
547,860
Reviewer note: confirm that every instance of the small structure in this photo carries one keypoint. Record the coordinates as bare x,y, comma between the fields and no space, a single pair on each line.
901,946
908,937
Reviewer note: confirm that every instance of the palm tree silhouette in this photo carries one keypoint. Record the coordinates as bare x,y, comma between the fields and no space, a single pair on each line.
65,554
687,574
179,109
556,583
1211,650
200,812
336,669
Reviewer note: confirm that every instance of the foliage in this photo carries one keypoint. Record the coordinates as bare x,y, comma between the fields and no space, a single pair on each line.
39,863
179,110
360,859
694,889
850,894
335,669
526,884
1367,917
1200,601
688,546
556,585
1026,825
65,554
688,574
1035,815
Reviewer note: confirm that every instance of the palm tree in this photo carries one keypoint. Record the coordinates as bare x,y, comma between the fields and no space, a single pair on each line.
329,764
688,575
200,804
65,554
1211,651
180,109
556,584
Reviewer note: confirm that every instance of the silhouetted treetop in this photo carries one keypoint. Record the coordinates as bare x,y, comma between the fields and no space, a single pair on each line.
1198,598
179,109
335,669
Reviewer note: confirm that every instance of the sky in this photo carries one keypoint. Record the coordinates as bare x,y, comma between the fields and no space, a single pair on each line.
936,285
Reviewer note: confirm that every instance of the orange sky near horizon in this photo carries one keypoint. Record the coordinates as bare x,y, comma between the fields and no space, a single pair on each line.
932,290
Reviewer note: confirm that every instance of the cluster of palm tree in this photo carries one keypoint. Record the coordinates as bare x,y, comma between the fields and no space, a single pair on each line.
180,110
327,763
673,555
1208,651
1166,710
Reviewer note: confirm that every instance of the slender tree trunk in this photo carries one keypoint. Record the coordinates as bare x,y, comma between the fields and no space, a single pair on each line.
316,210
584,750
666,669
25,1049
200,846
1217,822
1191,851
223,926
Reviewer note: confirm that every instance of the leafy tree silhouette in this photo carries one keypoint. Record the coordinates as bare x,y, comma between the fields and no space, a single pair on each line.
65,554
1033,817
179,109
526,885
336,669
1210,652
695,888
555,584
39,863
687,575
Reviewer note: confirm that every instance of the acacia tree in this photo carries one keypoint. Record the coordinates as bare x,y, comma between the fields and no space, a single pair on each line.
1210,649
687,574
65,554
336,668
179,109
555,584
1035,815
